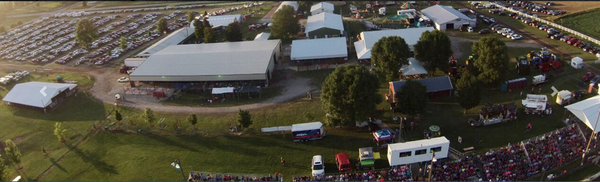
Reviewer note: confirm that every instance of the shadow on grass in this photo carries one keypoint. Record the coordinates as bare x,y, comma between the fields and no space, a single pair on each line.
81,108
55,163
93,158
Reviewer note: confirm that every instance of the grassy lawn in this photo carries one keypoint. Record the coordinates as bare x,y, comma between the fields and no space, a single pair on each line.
197,98
581,174
8,21
353,28
152,154
105,4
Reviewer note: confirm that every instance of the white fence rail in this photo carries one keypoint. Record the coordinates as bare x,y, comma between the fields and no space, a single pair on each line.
276,129
563,28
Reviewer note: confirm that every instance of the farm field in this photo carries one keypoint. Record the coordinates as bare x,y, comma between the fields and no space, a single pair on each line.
586,23
44,6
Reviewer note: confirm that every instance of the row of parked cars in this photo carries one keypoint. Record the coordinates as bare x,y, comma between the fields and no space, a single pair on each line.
496,27
16,76
555,34
535,7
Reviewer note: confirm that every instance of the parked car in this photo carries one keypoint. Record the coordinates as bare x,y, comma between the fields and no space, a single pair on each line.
317,166
588,76
516,36
484,31
123,80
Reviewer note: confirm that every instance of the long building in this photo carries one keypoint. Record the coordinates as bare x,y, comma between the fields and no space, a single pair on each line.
215,62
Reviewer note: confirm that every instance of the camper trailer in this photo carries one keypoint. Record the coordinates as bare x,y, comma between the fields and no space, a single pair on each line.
535,104
563,97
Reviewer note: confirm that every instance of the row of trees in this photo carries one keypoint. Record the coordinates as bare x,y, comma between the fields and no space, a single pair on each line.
350,92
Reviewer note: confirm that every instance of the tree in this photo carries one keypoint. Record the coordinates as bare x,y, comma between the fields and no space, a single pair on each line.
148,115
85,33
190,16
388,55
161,25
13,154
349,94
118,115
491,59
438,41
244,118
3,170
192,119
305,5
233,32
468,91
208,35
123,43
60,133
198,29
13,25
206,23
412,98
84,4
285,23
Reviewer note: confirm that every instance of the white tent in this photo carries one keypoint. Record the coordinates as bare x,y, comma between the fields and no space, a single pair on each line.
414,67
222,90
587,111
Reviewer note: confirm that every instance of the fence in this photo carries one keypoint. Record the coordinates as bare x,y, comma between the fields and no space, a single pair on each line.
563,28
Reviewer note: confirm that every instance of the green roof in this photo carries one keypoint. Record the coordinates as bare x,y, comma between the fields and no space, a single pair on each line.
367,162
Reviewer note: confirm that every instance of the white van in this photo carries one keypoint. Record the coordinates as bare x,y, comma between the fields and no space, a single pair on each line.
318,168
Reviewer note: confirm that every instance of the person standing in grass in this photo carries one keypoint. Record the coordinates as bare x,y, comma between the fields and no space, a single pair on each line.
282,161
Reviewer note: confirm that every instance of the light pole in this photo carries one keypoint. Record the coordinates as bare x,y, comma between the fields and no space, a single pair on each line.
431,168
177,165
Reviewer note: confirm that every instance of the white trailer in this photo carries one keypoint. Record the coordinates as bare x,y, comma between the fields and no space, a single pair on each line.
307,131
563,97
535,104
417,151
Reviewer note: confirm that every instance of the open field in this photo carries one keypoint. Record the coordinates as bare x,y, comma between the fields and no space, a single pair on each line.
572,7
8,21
586,23
44,6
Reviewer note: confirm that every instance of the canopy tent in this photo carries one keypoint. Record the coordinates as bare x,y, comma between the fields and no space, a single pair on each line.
587,111
222,90
383,134
407,5
400,17
414,67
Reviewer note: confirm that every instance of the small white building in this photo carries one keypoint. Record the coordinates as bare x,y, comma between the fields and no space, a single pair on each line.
321,7
577,63
445,17
417,151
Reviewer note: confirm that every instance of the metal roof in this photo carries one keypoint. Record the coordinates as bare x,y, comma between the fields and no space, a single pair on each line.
221,20
319,48
306,126
443,14
324,20
29,93
322,5
434,84
294,4
414,67
418,143
215,59
262,36
369,38
172,39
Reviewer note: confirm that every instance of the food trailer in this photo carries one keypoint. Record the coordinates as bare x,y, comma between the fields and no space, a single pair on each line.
535,104
383,137
563,97
366,158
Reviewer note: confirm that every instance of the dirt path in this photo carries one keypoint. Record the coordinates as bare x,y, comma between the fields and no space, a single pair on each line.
268,18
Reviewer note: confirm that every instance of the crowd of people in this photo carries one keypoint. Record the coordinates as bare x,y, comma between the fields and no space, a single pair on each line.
393,174
197,176
516,162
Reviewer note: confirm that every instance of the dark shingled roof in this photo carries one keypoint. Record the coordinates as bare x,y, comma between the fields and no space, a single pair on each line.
434,84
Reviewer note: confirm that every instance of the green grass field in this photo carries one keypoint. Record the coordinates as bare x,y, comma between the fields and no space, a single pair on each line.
44,6
8,21
585,23
196,98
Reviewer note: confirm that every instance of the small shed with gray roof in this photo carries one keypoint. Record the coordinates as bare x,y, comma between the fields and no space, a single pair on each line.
446,17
